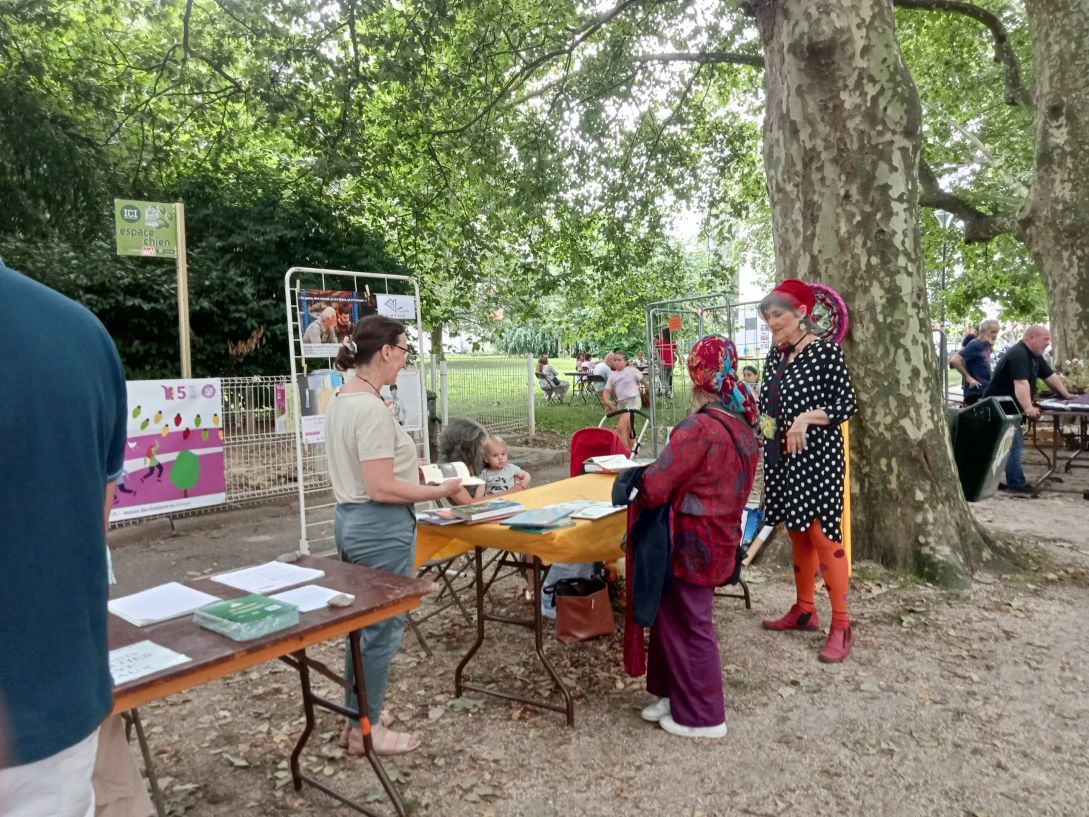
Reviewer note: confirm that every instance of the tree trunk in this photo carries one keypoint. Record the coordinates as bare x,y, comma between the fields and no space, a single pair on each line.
841,150
1055,222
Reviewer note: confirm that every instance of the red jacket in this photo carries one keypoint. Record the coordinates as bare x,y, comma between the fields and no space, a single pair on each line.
705,473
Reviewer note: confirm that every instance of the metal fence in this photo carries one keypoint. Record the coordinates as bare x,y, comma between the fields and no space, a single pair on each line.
497,391
259,447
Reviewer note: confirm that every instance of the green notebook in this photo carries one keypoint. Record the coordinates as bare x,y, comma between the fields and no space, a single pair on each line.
247,617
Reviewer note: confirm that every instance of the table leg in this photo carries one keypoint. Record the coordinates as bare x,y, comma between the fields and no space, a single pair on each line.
133,716
1052,461
1084,426
303,665
536,624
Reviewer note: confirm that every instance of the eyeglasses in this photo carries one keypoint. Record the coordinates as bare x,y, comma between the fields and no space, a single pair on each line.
410,353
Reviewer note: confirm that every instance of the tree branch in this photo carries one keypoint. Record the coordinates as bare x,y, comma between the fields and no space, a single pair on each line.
704,58
978,226
1015,91
519,78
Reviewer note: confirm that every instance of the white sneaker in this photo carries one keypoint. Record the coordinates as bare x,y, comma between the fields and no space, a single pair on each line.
675,728
656,711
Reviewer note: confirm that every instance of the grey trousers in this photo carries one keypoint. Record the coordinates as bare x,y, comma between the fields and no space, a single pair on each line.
383,537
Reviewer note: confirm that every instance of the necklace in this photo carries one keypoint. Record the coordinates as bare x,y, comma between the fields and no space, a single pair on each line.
377,391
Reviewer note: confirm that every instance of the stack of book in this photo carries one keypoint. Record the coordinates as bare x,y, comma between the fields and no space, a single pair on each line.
248,617
487,510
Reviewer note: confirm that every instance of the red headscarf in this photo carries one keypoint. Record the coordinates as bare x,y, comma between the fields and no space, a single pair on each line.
712,365
797,291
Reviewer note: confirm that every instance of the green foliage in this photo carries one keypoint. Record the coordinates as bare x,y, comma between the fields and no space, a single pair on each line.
526,340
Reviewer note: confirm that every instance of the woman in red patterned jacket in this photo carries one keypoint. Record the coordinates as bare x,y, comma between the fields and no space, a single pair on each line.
705,473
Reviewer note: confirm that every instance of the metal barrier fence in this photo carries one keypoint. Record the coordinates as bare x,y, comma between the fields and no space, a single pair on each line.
259,447
494,390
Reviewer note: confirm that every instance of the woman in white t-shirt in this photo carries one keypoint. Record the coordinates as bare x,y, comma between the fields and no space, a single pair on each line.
374,472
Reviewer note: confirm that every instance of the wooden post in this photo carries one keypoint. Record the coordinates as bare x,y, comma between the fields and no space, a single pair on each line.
183,294
845,523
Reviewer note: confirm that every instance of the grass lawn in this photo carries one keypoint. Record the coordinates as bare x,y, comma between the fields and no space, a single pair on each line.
493,389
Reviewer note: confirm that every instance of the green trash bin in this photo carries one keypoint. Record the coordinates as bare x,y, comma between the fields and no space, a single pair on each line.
982,435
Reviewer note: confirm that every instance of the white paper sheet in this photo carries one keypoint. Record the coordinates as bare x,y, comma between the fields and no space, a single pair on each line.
309,598
160,603
140,659
268,577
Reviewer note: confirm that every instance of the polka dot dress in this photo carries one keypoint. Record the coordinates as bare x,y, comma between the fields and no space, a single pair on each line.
809,485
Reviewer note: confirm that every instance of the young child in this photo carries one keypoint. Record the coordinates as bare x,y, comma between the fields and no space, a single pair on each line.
751,378
499,475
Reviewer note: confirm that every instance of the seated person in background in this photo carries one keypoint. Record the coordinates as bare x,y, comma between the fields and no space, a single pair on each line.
501,476
551,377
603,370
974,362
641,362
623,388
463,441
583,362
750,378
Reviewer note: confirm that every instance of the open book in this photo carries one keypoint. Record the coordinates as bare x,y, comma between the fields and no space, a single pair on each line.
611,464
436,473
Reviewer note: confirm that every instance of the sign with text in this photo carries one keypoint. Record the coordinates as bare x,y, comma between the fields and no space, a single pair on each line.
146,228
174,457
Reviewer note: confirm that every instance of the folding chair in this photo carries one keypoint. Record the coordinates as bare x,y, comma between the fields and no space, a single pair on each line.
553,394
593,381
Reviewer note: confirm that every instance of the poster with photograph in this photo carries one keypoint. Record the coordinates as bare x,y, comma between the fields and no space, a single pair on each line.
316,389
326,317
174,453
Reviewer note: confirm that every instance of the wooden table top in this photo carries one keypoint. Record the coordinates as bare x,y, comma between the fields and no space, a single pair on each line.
378,595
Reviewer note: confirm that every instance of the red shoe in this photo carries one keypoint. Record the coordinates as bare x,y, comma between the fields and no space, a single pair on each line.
838,645
795,619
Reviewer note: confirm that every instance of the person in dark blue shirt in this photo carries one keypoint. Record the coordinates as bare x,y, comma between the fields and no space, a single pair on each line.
974,362
63,442
1016,376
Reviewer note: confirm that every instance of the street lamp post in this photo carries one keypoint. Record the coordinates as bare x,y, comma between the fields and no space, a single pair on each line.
945,219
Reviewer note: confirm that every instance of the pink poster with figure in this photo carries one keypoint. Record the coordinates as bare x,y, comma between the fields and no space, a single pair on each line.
174,453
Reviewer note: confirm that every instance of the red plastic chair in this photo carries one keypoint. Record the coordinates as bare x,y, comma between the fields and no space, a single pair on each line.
593,442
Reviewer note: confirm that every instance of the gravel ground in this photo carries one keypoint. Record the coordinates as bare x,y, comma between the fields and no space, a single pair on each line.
966,703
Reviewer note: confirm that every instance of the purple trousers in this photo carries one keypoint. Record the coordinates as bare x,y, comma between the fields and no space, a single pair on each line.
683,663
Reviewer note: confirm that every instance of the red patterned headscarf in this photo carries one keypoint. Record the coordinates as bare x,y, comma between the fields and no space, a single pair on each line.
712,365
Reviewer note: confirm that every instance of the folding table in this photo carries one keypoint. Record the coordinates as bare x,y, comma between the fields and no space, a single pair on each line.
379,595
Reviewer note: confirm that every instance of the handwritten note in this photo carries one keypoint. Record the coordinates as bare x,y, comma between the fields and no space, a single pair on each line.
140,659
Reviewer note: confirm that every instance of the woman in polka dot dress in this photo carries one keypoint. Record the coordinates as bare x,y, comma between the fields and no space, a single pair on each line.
805,396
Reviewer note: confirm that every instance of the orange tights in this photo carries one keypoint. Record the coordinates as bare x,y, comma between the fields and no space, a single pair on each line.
814,551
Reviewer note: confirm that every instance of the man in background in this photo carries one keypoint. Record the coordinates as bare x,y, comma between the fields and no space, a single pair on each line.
64,444
1016,377
974,362
603,370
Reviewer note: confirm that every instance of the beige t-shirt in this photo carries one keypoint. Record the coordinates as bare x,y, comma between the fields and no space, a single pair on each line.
358,427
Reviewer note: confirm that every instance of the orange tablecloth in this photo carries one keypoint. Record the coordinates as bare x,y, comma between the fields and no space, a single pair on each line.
586,541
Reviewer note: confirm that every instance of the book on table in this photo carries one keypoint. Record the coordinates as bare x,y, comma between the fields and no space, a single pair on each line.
545,517
161,603
487,510
247,617
436,473
612,464
439,516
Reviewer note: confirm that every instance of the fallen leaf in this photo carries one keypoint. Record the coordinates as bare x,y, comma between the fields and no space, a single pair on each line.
869,685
